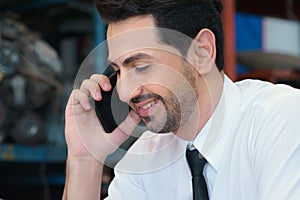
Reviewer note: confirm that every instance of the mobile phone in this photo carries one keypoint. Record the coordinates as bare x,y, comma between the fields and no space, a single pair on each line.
111,111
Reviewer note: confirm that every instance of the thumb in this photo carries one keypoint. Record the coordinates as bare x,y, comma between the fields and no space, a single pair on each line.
101,144
125,129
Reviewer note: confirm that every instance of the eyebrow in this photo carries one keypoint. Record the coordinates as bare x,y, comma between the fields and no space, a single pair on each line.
133,58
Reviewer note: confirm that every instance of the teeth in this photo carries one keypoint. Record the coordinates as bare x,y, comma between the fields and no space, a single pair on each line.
148,105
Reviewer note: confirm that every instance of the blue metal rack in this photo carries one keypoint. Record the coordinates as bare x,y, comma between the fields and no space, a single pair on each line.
41,153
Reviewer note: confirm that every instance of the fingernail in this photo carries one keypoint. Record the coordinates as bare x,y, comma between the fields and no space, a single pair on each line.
87,106
106,85
97,94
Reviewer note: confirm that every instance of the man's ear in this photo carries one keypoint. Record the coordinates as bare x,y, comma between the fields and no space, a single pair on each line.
204,51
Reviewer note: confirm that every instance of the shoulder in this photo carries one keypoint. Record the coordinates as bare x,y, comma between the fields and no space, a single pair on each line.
273,144
267,96
273,109
269,117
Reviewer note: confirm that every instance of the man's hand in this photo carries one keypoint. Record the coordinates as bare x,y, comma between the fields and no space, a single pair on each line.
88,144
82,124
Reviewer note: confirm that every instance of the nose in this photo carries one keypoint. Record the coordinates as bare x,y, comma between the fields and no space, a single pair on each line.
128,86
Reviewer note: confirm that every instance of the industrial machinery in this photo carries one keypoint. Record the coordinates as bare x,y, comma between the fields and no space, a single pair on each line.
30,73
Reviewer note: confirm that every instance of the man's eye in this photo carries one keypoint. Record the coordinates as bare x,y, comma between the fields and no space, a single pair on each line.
141,68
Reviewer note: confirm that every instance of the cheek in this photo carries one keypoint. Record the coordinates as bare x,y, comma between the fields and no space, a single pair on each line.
161,80
160,74
176,88
165,84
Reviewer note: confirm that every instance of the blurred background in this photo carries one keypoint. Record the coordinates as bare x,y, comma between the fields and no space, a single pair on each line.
42,45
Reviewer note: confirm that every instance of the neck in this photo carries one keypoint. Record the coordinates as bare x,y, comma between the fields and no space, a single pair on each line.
210,91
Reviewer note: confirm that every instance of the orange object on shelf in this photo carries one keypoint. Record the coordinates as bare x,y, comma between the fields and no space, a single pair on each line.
229,36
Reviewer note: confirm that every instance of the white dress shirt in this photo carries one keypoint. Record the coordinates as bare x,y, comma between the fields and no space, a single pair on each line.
251,143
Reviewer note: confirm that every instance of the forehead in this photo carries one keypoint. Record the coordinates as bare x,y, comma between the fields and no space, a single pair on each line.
134,35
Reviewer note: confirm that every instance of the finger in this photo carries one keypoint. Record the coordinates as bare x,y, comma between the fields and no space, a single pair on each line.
124,130
102,80
91,88
79,97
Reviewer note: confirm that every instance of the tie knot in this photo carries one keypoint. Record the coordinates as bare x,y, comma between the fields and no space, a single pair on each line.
195,161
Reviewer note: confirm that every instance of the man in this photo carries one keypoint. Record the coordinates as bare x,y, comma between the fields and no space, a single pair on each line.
246,131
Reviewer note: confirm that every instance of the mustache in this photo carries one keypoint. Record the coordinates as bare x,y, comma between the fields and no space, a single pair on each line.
144,97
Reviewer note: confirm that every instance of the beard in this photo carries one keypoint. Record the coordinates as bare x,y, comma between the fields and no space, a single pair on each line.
167,118
175,108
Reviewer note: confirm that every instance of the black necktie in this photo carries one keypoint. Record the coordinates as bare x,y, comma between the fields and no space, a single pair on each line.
196,164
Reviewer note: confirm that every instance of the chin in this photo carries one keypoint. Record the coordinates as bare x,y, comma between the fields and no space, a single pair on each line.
153,128
159,129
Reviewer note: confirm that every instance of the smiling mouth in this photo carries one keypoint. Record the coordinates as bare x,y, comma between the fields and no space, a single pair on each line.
149,105
144,108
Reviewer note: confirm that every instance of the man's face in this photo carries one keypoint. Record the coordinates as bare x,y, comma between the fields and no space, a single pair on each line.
154,79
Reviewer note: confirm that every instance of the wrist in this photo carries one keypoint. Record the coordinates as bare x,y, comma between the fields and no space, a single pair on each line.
82,166
83,174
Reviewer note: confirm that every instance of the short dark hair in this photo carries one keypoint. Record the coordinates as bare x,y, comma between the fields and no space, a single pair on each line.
185,16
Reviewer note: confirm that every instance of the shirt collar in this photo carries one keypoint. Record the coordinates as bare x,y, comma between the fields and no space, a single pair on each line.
212,138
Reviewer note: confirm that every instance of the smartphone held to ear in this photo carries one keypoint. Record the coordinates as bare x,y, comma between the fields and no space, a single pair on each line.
111,111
